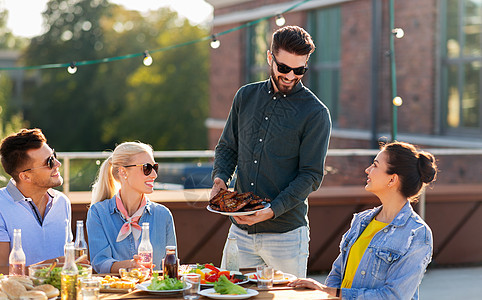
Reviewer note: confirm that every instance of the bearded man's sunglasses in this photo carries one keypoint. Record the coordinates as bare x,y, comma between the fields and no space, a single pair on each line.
282,68
49,163
146,168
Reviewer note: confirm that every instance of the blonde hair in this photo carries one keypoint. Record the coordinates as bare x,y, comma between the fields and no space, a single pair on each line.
107,183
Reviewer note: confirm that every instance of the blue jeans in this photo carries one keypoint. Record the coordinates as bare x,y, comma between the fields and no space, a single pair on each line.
287,251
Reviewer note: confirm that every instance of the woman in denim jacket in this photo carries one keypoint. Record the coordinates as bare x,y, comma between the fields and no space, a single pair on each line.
114,220
387,249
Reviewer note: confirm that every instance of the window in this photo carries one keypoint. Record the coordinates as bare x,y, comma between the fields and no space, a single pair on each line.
259,38
324,67
461,30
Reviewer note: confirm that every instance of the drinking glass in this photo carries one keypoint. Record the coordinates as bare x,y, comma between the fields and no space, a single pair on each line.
90,287
191,284
265,276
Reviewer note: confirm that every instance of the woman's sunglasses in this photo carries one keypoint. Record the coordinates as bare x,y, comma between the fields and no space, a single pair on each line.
146,168
50,163
282,68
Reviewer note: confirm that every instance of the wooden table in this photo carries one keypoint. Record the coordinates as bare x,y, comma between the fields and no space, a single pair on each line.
278,292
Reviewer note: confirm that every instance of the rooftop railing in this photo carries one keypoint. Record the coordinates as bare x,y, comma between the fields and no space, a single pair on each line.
208,155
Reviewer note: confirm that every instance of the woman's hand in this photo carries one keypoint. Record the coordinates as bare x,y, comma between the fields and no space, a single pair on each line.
126,264
312,284
306,283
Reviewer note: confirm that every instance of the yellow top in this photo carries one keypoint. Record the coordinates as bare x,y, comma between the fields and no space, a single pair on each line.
358,249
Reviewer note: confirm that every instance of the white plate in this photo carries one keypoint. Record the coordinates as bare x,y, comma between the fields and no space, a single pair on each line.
238,213
286,278
211,293
204,285
143,287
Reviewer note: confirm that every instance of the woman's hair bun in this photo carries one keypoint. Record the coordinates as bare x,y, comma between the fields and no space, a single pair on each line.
426,167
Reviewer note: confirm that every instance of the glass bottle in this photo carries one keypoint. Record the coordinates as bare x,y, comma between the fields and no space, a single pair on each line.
170,263
69,274
17,259
231,259
145,251
80,246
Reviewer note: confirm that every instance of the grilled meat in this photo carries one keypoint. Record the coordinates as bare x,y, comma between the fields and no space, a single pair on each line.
233,201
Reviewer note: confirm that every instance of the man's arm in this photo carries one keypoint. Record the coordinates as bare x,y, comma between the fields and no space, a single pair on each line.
4,253
226,151
312,154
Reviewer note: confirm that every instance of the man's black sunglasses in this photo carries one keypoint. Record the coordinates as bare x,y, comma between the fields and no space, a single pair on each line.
50,163
282,68
146,168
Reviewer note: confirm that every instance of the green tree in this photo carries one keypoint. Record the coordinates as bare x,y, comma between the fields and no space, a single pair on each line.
167,103
66,106
104,104
7,39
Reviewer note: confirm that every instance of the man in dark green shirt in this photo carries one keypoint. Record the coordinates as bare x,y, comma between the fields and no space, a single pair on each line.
277,136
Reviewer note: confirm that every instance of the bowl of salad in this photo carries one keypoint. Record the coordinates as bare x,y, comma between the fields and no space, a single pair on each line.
40,273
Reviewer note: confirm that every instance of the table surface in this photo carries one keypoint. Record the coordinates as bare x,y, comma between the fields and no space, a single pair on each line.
279,291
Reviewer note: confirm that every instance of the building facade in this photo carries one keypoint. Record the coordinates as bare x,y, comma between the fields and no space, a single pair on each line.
438,76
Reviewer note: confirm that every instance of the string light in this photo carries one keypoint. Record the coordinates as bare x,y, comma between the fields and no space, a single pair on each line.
147,61
398,32
215,43
280,20
72,68
397,101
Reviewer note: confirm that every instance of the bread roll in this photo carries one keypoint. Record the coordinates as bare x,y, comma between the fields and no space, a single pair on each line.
33,295
25,281
278,275
3,296
48,289
13,289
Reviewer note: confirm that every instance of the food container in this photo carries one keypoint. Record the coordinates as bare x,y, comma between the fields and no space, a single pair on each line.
38,273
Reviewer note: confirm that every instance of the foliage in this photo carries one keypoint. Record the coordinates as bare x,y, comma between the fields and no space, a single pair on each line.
104,104
7,39
9,122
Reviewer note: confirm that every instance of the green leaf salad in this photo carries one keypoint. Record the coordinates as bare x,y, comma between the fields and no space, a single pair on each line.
226,287
164,284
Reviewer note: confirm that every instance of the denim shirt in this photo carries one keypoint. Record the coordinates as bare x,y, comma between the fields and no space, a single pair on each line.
278,143
394,263
104,221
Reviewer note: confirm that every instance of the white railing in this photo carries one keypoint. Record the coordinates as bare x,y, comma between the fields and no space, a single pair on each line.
66,157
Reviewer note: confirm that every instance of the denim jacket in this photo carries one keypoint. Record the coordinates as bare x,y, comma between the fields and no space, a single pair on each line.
394,263
104,221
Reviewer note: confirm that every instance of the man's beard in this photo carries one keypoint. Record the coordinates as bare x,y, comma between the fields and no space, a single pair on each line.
282,88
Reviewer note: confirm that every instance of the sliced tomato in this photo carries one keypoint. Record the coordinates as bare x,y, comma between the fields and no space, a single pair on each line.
211,267
212,278
225,273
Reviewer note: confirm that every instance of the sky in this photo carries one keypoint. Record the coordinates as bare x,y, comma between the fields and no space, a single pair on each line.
25,16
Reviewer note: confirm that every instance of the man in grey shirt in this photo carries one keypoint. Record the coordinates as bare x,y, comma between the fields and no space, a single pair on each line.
277,136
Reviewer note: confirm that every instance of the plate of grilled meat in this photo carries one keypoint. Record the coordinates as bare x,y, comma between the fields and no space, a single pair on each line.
237,204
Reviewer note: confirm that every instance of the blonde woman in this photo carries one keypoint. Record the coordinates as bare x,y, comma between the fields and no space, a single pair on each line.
120,206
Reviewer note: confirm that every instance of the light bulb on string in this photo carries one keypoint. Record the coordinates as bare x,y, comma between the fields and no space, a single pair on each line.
147,61
72,68
397,101
215,43
398,32
280,20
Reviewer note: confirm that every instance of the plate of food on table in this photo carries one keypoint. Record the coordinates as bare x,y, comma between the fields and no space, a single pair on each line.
237,204
225,289
162,285
279,277
211,274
